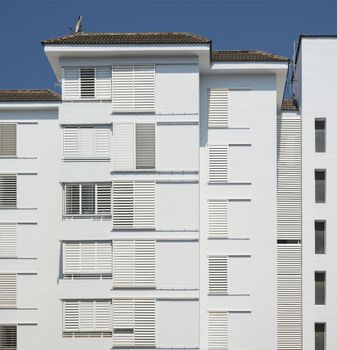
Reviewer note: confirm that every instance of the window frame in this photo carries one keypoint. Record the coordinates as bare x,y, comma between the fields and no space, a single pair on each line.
324,236
317,292
316,333
316,172
324,134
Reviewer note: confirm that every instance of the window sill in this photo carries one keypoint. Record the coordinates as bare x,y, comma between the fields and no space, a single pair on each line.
87,159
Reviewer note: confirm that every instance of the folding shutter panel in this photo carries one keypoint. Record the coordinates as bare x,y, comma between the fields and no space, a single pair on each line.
71,312
218,163
123,263
289,259
87,316
87,83
145,323
88,199
218,275
88,256
86,141
145,264
7,290
218,218
123,204
8,337
103,83
122,88
102,142
71,142
124,146
104,257
217,330
144,76
145,146
7,240
123,320
218,108
144,205
103,193
7,139
72,199
72,257
71,83
103,316
8,190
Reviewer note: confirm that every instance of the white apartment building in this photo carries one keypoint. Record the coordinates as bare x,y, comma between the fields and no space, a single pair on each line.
170,198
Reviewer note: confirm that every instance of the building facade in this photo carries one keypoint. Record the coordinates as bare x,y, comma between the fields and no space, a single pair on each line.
170,198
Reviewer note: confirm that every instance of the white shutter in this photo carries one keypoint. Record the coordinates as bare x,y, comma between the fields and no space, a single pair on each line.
145,146
87,83
103,315
71,142
87,316
218,330
8,189
218,275
144,205
218,217
145,264
124,146
7,139
122,88
102,142
123,264
218,108
72,257
8,337
8,239
218,163
145,324
289,259
7,290
103,200
86,141
71,83
123,320
71,316
144,76
103,83
123,204
72,199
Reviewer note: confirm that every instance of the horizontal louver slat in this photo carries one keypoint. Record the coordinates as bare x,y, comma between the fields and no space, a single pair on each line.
145,146
7,290
218,108
217,330
218,275
8,337
8,239
8,190
124,146
218,218
7,139
218,163
71,83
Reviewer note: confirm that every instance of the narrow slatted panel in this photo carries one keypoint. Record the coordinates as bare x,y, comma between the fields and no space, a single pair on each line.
8,337
144,205
124,146
218,163
217,330
88,199
72,257
8,189
71,83
218,275
144,76
8,239
103,83
123,320
218,108
103,315
145,323
102,142
87,316
123,204
72,199
71,142
122,88
104,256
218,218
7,290
71,316
87,141
123,263
103,202
145,264
289,259
87,83
7,139
145,146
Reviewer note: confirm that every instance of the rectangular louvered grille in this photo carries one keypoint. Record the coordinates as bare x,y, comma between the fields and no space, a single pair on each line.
7,290
218,275
218,108
103,83
218,218
71,83
8,190
217,330
145,146
7,239
8,337
7,139
87,83
218,163
289,259
124,146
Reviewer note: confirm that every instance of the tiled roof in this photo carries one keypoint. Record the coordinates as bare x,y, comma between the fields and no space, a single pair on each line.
246,56
83,38
290,105
318,36
29,96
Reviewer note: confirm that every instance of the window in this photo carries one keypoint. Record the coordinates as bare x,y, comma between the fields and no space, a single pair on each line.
8,337
218,218
7,240
320,135
319,237
218,108
87,142
8,190
86,83
218,163
218,275
7,290
319,336
7,139
133,205
319,288
133,88
217,330
134,146
87,199
320,179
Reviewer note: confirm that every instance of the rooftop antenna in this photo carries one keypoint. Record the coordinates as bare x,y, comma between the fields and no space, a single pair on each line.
78,27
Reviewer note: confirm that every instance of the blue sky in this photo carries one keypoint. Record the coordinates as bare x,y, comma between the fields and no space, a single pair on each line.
266,25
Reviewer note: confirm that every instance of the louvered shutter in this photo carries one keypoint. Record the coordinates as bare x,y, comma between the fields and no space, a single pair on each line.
8,190
87,83
71,142
7,239
144,76
71,83
289,259
144,205
123,320
71,316
102,142
87,316
7,139
86,141
72,199
218,218
145,323
218,275
87,199
124,146
72,257
217,330
103,83
218,163
8,337
103,315
7,290
103,200
123,263
123,204
145,264
218,108
122,88
145,146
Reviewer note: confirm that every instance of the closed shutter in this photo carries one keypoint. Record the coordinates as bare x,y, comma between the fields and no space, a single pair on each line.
145,146
103,83
103,202
145,324
218,275
7,139
71,83
217,330
123,204
218,163
218,108
144,76
87,83
144,205
71,316
8,337
8,189
124,146
102,142
289,259
86,141
7,240
7,290
218,218
71,142
145,264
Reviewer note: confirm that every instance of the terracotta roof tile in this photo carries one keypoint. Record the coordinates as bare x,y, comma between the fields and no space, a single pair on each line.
29,96
290,105
246,56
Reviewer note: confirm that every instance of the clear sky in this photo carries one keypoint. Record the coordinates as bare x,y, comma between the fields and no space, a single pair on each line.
265,25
